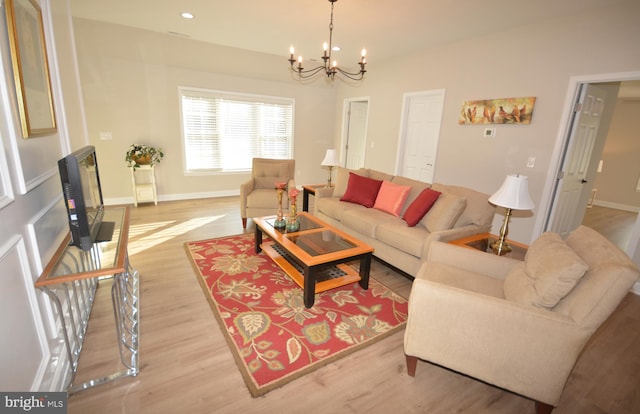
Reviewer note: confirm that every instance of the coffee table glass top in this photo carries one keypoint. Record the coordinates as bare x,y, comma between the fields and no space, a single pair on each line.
319,243
313,237
305,223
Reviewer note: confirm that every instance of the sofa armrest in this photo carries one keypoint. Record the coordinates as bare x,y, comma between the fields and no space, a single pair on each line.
524,349
324,192
452,234
468,259
245,189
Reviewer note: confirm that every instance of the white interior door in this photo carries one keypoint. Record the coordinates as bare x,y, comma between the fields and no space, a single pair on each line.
420,131
573,187
356,116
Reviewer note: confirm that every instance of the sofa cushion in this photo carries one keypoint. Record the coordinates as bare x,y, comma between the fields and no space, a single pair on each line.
420,206
378,175
550,271
478,210
407,239
444,213
365,220
361,190
333,207
391,197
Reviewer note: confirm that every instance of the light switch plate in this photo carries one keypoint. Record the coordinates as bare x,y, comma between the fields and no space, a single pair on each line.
489,132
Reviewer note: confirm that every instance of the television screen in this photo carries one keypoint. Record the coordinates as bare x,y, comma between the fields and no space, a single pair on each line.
80,179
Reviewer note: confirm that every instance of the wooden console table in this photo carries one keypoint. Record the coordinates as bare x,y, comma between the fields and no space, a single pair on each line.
70,280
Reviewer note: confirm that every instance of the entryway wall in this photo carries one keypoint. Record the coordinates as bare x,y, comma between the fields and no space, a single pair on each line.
633,249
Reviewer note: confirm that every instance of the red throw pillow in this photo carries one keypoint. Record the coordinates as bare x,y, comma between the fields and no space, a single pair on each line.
420,206
361,190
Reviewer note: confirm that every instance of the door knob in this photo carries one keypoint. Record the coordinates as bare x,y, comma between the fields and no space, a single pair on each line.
583,181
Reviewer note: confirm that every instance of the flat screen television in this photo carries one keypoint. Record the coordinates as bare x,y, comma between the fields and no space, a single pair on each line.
82,192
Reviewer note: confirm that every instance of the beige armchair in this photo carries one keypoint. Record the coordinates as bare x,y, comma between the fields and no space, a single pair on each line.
257,195
518,325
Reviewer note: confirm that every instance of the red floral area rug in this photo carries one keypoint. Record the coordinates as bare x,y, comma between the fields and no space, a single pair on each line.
273,337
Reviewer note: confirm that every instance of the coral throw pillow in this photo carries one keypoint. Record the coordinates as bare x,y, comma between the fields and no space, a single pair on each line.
391,197
420,206
361,190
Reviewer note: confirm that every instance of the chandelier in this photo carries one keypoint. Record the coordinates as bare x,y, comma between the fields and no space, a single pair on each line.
329,67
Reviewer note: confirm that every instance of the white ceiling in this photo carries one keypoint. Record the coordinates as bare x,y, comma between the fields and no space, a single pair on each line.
386,28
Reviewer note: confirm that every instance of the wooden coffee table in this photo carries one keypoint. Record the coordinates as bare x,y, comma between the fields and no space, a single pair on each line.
315,256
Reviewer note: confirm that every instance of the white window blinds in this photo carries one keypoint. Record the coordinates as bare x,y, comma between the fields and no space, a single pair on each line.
224,131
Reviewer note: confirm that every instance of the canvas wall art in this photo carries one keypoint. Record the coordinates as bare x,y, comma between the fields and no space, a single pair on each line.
497,111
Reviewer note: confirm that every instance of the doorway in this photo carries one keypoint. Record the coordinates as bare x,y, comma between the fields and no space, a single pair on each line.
354,132
419,134
576,83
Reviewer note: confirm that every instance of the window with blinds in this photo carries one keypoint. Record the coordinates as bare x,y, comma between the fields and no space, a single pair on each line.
224,131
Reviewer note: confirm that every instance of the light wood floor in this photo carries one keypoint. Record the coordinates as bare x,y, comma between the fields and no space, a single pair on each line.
186,366
614,224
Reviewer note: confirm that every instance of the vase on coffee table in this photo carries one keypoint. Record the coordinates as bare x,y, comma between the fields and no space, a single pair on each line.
280,222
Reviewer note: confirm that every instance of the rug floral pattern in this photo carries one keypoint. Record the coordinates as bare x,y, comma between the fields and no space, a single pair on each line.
273,337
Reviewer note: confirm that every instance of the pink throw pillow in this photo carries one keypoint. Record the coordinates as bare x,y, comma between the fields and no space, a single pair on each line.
361,190
391,197
420,206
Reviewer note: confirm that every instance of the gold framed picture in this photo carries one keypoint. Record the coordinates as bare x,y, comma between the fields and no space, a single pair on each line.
497,111
30,67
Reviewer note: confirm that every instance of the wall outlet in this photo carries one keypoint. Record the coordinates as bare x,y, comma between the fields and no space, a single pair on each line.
531,161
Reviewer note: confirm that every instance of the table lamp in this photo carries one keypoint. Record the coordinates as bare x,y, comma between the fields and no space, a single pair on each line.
512,195
330,160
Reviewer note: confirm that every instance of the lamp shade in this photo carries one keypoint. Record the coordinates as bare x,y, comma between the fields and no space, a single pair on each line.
330,158
513,194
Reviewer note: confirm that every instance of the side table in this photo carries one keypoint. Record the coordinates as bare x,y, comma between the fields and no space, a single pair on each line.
483,242
143,180
306,190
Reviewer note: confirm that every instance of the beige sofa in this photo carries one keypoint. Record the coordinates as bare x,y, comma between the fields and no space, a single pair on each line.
517,325
458,212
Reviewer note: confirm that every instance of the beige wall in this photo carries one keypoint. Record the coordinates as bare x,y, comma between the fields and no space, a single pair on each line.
130,81
536,60
617,182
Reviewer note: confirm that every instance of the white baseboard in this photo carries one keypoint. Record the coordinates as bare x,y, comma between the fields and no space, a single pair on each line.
175,197
617,206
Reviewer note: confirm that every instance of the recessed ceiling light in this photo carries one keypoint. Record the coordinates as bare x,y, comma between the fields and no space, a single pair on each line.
187,15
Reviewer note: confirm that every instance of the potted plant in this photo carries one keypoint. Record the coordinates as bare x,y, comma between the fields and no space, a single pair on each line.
138,155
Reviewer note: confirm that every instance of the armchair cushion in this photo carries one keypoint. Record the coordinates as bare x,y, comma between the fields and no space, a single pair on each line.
550,271
271,173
